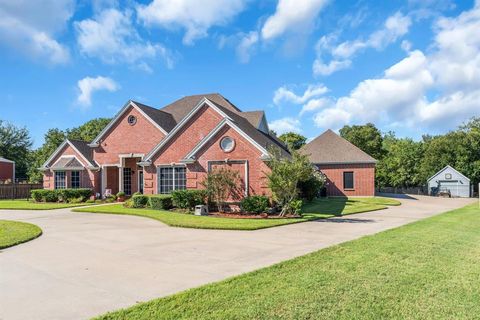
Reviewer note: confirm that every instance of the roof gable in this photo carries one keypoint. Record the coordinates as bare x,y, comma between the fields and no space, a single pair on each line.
80,147
444,169
158,118
330,148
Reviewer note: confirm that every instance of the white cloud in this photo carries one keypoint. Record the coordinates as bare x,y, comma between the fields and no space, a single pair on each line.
283,94
394,27
286,124
246,45
196,17
320,68
112,38
435,90
30,27
87,86
295,16
316,104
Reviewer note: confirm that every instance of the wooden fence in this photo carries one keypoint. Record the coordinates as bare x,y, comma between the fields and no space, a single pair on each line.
17,190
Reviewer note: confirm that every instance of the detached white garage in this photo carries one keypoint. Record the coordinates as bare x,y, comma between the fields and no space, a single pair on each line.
449,180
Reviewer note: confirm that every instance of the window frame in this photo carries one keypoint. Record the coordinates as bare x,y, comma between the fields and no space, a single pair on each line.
57,186
176,178
344,180
76,178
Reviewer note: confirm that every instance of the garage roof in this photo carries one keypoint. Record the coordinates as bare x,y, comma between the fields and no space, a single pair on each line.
330,148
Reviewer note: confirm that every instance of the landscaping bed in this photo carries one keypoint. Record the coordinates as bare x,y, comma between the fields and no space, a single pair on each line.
424,270
15,232
317,209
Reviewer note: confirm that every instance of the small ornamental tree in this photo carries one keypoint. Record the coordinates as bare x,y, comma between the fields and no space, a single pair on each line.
285,177
221,185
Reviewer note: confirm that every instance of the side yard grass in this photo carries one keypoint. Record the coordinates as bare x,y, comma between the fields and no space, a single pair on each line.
15,232
31,205
317,209
424,270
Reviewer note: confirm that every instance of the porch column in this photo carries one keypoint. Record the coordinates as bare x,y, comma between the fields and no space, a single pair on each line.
104,180
120,178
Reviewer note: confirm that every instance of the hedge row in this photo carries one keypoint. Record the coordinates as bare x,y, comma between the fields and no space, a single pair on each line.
61,195
156,202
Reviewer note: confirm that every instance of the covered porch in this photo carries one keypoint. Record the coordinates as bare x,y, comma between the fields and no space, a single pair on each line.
126,176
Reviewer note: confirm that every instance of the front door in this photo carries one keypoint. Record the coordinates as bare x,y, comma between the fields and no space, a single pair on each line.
140,181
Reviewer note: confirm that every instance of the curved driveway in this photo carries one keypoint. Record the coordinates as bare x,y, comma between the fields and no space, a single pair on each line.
86,264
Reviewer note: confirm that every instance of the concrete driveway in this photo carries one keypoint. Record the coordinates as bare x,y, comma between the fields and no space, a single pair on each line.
86,264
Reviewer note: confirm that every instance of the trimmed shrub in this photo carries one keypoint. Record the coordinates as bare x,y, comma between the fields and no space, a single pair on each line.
296,206
139,201
160,202
255,204
65,195
121,194
138,193
37,195
128,203
188,199
90,201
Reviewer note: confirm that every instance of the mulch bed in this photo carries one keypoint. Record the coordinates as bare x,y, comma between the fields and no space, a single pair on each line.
239,215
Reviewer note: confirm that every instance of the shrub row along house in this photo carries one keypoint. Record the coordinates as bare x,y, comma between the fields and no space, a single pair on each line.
156,151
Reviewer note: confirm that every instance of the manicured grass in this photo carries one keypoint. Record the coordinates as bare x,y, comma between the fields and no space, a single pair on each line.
318,209
30,205
190,221
14,232
425,270
343,206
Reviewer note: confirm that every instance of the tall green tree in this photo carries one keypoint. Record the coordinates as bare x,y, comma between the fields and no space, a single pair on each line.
400,166
15,144
366,137
293,140
89,130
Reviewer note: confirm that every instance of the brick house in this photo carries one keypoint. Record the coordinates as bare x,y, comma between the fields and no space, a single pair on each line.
349,170
7,170
159,150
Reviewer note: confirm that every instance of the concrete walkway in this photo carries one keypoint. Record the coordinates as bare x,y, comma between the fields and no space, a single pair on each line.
86,264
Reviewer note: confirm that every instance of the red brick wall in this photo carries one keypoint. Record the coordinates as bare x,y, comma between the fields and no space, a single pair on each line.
6,170
86,177
123,138
363,175
193,133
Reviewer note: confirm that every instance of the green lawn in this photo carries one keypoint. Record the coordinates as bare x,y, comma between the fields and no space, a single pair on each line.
14,232
30,205
318,209
429,269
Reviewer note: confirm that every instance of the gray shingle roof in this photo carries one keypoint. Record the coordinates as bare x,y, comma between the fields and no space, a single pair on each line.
329,148
163,119
180,108
254,117
67,163
84,149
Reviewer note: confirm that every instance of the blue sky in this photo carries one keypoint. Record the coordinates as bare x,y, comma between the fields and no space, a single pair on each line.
408,66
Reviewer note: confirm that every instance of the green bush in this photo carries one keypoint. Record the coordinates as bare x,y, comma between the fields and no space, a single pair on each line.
90,201
120,194
311,187
65,195
296,206
160,202
128,203
138,193
255,204
37,195
139,201
188,199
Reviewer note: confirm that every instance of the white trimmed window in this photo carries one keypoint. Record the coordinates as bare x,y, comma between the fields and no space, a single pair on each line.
75,179
60,181
171,178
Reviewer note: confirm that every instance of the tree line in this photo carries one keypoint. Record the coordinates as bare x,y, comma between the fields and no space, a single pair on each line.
404,162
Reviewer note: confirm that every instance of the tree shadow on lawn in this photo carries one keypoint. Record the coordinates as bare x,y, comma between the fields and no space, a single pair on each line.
335,207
